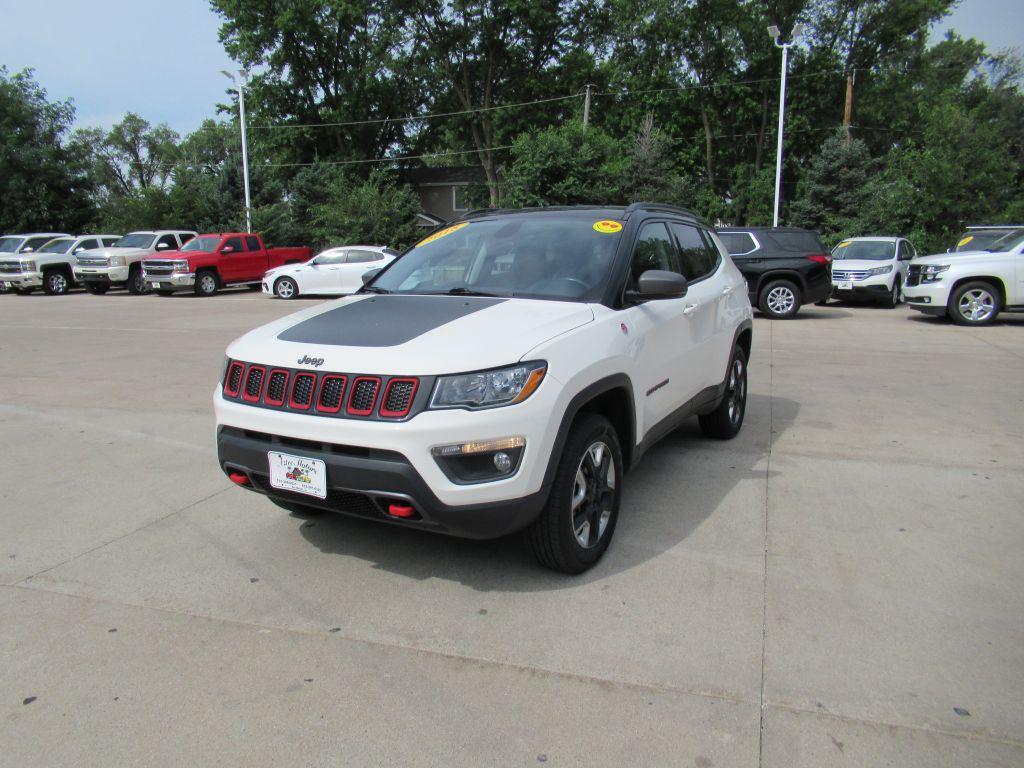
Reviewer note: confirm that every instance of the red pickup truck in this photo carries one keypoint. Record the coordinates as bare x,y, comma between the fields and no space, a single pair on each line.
208,263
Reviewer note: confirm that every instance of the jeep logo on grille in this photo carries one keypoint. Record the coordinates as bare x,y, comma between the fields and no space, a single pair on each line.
316,362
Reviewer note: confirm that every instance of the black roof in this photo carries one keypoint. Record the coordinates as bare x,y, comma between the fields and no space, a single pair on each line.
617,211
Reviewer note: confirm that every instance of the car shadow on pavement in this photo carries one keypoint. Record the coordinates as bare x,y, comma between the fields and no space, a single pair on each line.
678,484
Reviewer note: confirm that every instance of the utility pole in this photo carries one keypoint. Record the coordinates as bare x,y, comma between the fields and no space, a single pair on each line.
851,77
244,75
775,33
586,106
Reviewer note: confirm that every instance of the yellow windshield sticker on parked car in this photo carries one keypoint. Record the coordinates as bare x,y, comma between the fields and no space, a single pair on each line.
843,244
607,226
442,233
965,241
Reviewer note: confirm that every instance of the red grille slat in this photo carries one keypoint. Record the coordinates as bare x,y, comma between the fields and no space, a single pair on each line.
303,387
277,387
233,378
255,377
363,395
398,397
332,393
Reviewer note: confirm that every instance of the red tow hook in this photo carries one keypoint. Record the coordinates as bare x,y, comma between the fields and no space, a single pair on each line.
401,510
239,478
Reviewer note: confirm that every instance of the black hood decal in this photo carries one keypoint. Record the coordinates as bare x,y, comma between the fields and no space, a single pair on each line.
384,321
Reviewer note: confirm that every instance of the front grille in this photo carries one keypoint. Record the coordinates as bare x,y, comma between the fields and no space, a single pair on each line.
10,268
364,396
341,395
254,383
277,385
849,274
92,261
158,268
349,502
913,276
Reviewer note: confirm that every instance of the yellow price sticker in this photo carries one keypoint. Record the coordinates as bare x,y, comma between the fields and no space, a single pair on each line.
607,226
443,233
843,244
965,241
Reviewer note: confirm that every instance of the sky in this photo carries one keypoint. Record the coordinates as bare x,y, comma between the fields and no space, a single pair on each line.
162,60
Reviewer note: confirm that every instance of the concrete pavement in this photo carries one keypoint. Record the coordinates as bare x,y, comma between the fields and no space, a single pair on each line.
837,586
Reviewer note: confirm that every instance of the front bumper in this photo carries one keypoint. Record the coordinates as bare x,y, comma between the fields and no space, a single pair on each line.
929,298
23,279
174,280
101,274
876,286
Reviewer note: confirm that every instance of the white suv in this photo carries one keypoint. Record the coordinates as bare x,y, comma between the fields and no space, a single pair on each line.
971,287
871,267
502,374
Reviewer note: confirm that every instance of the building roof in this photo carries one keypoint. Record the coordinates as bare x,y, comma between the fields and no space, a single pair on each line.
454,174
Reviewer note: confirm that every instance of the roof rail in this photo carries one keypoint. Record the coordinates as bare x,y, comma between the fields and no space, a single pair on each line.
647,206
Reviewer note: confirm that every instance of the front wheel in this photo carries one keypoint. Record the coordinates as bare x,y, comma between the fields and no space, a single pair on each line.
725,421
206,284
137,284
975,303
895,295
577,523
56,283
779,300
286,288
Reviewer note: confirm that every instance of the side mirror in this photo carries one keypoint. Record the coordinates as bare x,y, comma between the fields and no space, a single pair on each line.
657,284
162,246
368,276
227,249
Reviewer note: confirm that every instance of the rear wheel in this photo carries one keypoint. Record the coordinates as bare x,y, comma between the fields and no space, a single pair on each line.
56,282
286,288
206,284
725,421
577,523
974,303
96,289
779,299
137,284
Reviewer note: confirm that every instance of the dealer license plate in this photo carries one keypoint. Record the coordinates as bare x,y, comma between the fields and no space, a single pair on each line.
298,474
844,285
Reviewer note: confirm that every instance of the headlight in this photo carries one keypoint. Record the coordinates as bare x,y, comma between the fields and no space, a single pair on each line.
930,274
180,266
116,261
488,389
28,266
880,270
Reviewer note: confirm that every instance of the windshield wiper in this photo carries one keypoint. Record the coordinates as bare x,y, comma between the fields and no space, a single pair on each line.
372,289
464,291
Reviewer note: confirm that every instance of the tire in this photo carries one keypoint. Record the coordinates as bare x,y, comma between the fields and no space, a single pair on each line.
568,542
725,422
56,282
779,300
136,285
976,303
286,288
96,289
207,284
895,295
163,292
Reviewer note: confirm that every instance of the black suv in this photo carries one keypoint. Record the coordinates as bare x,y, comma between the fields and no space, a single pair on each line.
785,267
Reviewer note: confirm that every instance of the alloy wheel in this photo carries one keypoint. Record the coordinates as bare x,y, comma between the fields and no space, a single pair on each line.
781,300
593,495
207,283
976,305
736,391
57,283
285,289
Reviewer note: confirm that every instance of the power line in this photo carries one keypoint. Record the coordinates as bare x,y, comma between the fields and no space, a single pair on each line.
414,118
385,159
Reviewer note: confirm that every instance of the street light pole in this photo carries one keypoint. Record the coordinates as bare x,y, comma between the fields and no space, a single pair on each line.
244,75
774,32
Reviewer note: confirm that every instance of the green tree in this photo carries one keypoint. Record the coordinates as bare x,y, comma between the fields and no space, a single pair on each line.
834,190
374,211
43,180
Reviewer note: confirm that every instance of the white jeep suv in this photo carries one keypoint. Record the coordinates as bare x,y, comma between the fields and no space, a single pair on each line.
871,267
971,287
502,374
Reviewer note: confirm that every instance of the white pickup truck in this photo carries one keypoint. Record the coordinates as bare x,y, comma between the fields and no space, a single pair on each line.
121,263
15,248
50,266
970,287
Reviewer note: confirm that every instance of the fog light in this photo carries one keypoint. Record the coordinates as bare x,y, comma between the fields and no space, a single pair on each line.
502,462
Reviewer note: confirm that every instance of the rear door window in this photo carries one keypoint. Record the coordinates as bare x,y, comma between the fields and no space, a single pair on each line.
357,256
252,242
695,257
654,250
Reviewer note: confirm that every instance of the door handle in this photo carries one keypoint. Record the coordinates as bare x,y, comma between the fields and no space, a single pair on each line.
689,309
727,290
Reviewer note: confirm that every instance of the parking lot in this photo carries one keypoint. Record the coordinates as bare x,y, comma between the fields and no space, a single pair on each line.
840,585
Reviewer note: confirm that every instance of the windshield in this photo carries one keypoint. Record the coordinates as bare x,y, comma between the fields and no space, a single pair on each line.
1007,242
10,244
201,244
136,240
56,246
871,250
564,255
980,239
